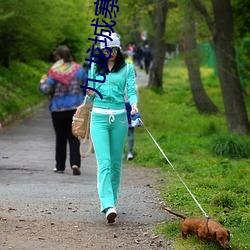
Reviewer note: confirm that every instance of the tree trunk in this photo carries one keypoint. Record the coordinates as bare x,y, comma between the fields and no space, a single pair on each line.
159,47
201,99
235,109
223,38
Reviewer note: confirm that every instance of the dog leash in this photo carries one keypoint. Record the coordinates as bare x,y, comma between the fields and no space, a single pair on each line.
174,169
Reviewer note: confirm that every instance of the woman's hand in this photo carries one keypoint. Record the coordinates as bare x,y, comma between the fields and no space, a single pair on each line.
90,92
43,79
134,109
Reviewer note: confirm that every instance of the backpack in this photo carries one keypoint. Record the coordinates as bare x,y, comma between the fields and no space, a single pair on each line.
81,126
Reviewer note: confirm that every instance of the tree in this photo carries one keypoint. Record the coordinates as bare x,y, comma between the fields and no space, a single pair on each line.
159,48
241,17
223,38
145,12
201,99
28,33
242,33
134,17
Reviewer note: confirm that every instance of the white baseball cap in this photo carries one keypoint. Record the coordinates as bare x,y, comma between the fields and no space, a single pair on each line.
115,43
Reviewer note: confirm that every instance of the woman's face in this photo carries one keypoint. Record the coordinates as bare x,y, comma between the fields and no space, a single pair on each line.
114,52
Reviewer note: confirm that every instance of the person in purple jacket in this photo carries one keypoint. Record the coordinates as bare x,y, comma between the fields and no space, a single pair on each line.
63,85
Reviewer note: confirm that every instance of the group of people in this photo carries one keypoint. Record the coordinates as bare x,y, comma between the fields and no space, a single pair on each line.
141,55
109,122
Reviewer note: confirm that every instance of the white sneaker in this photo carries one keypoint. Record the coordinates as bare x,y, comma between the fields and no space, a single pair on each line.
130,156
111,214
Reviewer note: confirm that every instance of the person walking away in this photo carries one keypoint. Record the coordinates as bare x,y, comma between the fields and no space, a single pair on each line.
128,109
139,52
63,85
130,133
109,123
147,58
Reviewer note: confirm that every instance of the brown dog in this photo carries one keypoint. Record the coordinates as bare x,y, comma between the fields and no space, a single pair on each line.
204,229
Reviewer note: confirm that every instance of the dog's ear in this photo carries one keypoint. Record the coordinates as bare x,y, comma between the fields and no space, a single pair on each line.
214,235
228,237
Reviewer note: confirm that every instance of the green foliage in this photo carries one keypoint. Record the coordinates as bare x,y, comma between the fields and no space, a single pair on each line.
243,59
224,200
241,17
231,146
29,33
19,87
170,230
175,25
135,17
219,183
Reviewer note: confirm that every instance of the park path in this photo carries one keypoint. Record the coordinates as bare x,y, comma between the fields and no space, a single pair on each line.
43,210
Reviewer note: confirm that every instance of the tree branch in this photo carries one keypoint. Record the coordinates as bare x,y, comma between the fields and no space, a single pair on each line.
202,9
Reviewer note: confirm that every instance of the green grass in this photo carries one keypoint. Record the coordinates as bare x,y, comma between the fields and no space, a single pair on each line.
19,87
214,164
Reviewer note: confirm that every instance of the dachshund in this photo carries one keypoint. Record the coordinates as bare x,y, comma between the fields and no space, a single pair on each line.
204,229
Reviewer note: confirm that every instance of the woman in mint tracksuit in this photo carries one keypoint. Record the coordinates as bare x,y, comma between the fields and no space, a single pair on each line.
109,123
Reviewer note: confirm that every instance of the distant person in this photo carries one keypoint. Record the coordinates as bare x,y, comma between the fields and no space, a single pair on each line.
130,51
63,85
130,133
109,125
128,109
147,54
85,66
139,56
128,58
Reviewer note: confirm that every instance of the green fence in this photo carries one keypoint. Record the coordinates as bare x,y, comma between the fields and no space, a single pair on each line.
208,58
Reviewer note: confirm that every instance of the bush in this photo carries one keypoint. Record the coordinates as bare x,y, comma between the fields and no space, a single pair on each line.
231,146
19,87
224,200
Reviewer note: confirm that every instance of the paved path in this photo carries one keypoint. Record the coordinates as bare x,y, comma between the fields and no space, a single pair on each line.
26,163
27,160
141,78
31,191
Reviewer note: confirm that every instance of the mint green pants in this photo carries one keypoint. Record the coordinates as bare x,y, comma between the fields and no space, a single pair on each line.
108,138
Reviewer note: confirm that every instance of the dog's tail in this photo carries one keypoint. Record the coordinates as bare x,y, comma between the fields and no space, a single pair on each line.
175,213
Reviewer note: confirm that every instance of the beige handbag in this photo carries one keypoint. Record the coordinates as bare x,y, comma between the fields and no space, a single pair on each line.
81,126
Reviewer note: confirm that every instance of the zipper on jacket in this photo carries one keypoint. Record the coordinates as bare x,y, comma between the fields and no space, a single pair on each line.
109,88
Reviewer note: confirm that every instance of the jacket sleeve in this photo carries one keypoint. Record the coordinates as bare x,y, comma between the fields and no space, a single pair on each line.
91,78
47,87
81,74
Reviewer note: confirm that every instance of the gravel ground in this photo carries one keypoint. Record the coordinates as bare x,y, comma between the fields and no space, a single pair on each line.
43,210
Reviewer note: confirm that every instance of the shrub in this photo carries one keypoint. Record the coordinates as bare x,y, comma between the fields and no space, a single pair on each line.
223,200
231,146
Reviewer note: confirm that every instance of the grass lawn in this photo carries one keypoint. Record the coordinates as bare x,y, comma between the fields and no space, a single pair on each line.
214,164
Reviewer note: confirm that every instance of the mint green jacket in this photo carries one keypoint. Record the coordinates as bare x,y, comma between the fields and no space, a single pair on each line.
114,87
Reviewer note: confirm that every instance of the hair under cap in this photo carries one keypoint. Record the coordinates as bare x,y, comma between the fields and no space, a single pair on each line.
115,43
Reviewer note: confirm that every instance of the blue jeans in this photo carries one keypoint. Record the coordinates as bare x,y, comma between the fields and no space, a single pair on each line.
108,139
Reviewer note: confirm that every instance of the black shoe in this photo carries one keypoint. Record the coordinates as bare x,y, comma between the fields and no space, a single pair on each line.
58,171
76,170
